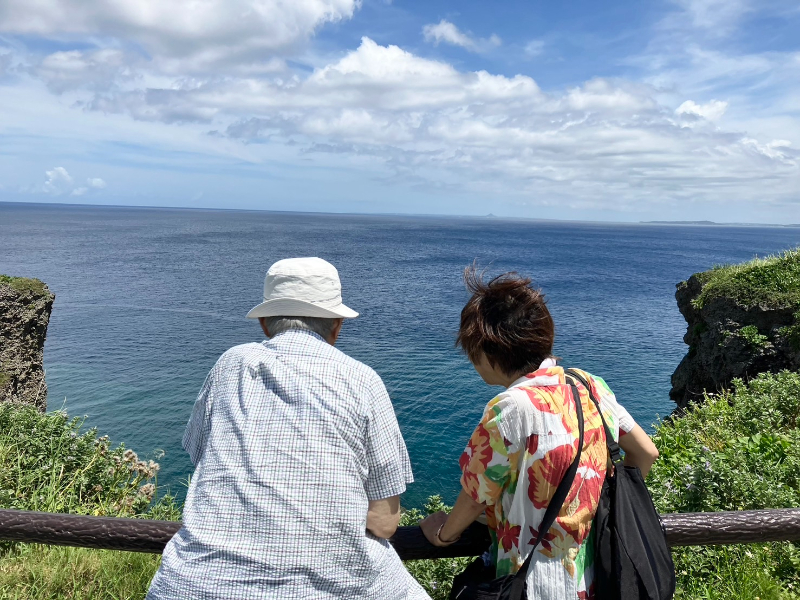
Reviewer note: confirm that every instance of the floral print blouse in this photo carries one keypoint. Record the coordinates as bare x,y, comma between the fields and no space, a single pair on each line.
513,463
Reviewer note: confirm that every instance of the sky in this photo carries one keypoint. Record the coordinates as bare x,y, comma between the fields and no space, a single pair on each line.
616,111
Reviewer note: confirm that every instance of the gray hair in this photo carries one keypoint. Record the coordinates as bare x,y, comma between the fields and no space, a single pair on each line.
320,326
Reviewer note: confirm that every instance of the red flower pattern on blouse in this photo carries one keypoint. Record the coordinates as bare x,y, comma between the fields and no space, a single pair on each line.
508,535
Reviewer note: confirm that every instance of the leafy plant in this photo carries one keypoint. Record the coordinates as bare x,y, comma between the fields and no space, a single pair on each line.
436,576
792,332
48,464
738,450
753,337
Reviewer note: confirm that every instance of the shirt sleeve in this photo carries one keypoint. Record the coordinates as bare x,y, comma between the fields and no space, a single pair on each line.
609,401
387,457
197,428
486,461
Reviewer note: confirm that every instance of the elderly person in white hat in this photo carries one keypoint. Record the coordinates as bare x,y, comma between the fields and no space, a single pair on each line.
299,462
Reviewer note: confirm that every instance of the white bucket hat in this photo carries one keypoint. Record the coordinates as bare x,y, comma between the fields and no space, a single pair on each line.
302,287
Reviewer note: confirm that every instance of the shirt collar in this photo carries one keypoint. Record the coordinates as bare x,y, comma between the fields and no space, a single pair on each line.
548,374
294,333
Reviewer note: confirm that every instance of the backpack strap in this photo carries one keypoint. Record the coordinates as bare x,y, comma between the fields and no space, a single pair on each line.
613,447
556,502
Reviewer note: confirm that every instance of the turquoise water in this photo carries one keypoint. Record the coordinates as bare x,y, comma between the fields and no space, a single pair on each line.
147,299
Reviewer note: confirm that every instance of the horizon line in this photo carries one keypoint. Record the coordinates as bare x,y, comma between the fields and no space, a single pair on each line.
490,216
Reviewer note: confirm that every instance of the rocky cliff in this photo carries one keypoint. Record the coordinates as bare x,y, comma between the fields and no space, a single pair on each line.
25,306
742,320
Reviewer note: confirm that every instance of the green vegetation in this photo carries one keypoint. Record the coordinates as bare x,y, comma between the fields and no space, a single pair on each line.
700,328
753,337
4,379
792,332
736,451
436,576
24,285
33,572
48,464
749,333
773,282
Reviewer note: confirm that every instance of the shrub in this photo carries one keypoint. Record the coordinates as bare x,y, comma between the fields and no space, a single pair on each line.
739,450
436,576
753,337
47,464
792,332
24,285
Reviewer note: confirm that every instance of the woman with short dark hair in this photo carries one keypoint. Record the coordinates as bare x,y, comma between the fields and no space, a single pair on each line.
526,441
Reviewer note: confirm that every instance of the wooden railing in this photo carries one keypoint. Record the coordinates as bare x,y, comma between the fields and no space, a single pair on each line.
144,535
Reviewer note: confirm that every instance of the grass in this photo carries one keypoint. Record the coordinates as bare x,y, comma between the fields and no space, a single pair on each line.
34,571
25,285
740,574
773,282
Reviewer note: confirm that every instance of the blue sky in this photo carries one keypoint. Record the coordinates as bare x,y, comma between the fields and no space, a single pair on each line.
678,110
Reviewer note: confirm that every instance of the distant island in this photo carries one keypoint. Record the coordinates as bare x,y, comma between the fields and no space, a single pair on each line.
719,224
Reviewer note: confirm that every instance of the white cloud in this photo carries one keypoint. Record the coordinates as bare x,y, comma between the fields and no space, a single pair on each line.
95,70
605,143
534,48
717,16
711,111
58,181
424,119
180,37
447,32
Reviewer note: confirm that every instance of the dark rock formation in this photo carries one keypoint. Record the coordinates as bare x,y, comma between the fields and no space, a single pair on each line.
728,340
25,306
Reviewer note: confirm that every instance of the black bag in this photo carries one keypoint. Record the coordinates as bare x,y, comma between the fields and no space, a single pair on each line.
477,581
631,556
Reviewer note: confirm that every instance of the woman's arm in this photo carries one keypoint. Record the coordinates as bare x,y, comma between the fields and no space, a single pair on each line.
465,511
639,449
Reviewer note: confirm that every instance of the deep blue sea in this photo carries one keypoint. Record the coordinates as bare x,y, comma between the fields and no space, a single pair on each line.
147,299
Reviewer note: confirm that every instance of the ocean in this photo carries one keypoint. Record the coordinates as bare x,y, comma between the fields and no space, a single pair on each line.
147,299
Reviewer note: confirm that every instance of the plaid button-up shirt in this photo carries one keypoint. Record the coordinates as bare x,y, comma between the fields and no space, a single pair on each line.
290,439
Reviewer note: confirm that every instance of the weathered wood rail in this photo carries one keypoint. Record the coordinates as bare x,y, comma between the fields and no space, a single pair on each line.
143,535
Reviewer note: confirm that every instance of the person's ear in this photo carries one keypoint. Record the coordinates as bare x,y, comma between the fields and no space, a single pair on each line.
337,328
263,322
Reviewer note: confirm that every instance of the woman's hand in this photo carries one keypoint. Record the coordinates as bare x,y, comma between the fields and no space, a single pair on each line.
431,525
442,529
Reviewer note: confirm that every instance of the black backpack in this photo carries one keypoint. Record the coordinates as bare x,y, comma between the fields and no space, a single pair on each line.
631,556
